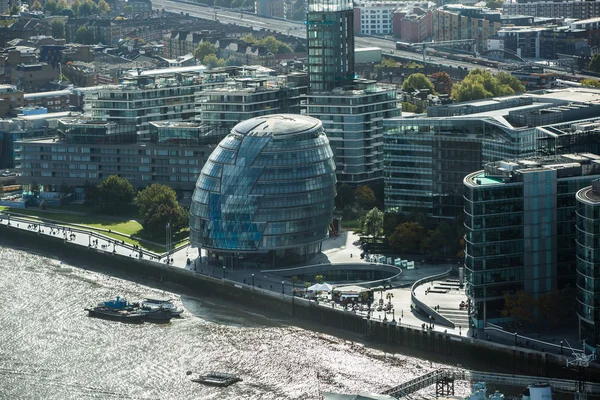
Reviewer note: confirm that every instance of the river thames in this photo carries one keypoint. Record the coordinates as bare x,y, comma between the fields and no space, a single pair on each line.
51,349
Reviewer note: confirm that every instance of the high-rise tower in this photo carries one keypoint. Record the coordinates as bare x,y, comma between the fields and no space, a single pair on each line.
330,33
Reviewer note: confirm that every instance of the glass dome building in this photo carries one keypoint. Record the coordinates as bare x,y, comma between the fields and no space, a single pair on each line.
265,197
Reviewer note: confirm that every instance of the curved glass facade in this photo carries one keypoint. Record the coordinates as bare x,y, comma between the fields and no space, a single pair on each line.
588,262
265,197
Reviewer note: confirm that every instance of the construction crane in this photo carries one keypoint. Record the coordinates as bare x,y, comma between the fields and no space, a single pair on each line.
444,43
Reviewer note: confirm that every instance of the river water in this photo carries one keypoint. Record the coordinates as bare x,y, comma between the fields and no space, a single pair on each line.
51,349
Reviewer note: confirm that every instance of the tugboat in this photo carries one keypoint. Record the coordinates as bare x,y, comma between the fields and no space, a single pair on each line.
165,303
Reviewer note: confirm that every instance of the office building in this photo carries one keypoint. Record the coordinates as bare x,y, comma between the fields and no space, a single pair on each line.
353,119
520,229
352,110
588,263
88,151
147,96
426,157
235,94
330,33
265,197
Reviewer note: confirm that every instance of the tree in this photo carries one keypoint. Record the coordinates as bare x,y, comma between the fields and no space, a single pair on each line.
36,6
386,63
65,189
443,83
590,83
231,61
114,192
494,3
407,237
15,10
417,82
158,207
344,197
61,5
364,196
203,50
519,306
103,6
75,4
212,61
84,36
434,242
58,29
319,278
299,48
34,188
408,107
50,7
67,12
372,223
480,84
128,10
594,64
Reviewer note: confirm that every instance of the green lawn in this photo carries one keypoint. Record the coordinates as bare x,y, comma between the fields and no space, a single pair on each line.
350,224
128,228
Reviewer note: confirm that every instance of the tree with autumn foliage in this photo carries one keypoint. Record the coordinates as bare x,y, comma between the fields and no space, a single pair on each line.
364,195
442,82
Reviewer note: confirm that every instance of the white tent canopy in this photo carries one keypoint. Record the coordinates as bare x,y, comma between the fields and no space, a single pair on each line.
320,287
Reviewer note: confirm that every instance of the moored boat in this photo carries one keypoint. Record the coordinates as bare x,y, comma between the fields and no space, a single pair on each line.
115,315
213,378
165,303
155,314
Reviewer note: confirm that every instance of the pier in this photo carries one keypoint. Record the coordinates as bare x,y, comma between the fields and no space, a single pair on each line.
444,379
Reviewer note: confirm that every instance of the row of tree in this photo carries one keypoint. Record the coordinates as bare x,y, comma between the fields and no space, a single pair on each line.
157,204
206,52
549,308
77,8
478,84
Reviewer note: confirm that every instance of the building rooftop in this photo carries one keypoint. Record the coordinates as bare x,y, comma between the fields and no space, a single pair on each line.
39,95
590,194
278,125
511,171
176,124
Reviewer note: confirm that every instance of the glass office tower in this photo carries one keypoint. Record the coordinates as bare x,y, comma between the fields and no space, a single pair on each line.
330,33
265,196
588,263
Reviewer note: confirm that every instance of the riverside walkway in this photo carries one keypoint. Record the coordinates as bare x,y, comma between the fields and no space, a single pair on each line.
444,381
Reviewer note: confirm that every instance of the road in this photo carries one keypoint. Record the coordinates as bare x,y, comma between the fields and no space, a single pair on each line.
298,29
293,28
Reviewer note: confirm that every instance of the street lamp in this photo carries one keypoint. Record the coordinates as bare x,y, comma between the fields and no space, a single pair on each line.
282,291
430,322
516,338
223,272
561,347
252,280
393,315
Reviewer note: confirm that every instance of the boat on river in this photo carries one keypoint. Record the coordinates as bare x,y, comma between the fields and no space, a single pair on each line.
165,303
214,378
130,316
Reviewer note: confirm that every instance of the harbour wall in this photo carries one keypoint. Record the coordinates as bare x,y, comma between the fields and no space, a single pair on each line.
448,348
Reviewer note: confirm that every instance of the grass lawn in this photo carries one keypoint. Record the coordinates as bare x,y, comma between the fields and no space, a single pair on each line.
129,227
350,224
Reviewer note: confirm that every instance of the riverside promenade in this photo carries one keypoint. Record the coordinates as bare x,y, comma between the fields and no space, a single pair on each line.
340,249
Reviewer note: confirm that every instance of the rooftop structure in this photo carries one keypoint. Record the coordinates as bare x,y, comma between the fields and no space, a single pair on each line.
265,196
520,219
